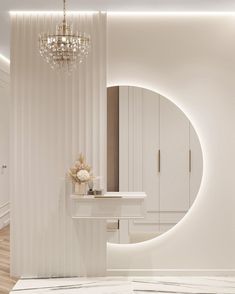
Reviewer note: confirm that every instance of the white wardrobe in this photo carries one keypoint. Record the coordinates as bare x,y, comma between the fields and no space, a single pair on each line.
160,154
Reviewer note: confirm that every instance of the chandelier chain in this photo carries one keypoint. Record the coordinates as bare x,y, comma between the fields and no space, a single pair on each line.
64,11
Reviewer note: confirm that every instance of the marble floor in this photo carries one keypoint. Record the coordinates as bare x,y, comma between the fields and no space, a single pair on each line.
130,285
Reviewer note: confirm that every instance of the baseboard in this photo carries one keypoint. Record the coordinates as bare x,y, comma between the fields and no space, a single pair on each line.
171,272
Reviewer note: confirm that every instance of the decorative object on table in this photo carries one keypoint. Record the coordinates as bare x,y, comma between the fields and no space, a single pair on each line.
95,192
98,192
90,185
80,175
90,192
64,49
94,186
98,186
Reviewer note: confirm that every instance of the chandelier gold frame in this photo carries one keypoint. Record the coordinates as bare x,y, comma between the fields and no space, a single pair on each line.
64,49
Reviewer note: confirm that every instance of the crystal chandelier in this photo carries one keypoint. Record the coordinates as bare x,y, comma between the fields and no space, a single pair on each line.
64,50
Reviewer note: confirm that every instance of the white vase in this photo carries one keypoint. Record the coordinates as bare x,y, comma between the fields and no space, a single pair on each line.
80,189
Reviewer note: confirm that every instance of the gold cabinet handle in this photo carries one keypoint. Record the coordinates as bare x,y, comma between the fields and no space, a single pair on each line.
159,160
190,161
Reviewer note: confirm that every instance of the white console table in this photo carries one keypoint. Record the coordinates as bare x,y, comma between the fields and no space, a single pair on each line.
92,212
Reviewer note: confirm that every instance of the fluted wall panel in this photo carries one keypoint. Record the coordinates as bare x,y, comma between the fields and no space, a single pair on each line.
54,117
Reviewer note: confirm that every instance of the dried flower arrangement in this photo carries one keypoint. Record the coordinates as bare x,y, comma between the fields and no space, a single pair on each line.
81,172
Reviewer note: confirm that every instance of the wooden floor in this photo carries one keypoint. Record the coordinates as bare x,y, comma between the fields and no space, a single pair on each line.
6,283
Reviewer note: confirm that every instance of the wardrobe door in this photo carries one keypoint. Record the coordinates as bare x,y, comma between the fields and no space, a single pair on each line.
196,164
174,171
139,145
130,139
150,176
123,138
150,148
130,147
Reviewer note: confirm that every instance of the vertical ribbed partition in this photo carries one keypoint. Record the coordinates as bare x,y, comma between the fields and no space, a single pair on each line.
54,117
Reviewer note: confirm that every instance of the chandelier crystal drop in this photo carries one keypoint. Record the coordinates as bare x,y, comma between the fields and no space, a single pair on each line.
64,50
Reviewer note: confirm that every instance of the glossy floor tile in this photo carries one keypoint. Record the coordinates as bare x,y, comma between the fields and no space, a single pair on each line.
131,285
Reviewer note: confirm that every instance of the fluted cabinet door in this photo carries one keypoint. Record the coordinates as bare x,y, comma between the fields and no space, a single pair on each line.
174,175
139,145
131,160
123,139
150,128
150,164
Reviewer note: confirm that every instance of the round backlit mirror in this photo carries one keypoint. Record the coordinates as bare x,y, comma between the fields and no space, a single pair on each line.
152,147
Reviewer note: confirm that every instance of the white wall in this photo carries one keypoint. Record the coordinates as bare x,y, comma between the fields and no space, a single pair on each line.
55,116
189,59
4,142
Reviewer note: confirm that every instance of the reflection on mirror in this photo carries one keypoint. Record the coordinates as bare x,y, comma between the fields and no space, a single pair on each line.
151,147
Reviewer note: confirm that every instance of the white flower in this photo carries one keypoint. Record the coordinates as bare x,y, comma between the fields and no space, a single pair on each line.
83,175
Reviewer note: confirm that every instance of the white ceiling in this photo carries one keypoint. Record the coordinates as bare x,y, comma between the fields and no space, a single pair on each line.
104,5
